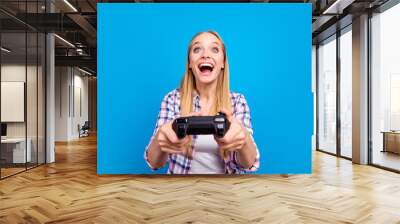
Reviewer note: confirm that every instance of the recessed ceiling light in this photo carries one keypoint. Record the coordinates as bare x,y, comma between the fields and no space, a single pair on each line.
84,71
65,41
5,50
337,7
70,5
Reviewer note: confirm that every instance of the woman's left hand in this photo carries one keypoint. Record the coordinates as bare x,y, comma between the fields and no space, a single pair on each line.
235,138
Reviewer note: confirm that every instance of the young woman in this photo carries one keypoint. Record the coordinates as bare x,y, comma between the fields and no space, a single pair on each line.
204,91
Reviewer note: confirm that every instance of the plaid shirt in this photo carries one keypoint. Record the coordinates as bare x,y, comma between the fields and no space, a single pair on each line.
180,164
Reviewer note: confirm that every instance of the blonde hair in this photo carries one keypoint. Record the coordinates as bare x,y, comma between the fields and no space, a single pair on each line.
188,83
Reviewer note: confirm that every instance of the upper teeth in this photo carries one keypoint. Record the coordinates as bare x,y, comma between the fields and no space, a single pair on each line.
206,64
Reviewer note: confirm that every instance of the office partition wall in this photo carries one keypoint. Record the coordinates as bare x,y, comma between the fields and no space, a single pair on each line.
13,145
22,87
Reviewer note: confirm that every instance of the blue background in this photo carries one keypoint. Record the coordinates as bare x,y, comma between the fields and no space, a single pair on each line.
142,54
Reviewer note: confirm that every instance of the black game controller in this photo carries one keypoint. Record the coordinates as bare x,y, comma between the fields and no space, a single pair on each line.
217,125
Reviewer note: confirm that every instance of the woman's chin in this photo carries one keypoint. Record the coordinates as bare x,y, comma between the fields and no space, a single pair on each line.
206,80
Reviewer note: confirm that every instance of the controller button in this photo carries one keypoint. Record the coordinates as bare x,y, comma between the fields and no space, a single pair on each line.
219,119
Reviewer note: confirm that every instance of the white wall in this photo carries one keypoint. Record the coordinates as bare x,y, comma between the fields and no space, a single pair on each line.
80,103
14,73
61,103
71,94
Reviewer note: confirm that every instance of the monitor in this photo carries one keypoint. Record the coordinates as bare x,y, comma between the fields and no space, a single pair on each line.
3,129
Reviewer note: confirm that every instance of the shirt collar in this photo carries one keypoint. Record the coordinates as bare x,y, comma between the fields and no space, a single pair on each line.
195,94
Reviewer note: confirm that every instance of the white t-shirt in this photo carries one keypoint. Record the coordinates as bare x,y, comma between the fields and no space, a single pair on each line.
206,158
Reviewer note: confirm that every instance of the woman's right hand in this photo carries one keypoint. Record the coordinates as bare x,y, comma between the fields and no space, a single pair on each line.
170,143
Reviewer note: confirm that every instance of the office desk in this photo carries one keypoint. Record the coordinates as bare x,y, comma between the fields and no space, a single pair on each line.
391,141
13,150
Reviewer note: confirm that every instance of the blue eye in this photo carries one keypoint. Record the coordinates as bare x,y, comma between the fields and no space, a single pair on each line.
196,50
215,49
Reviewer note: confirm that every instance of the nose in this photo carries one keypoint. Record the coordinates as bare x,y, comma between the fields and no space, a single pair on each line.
206,54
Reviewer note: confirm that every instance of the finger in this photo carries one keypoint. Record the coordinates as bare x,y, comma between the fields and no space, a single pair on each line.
168,150
169,133
240,136
234,146
185,146
230,136
236,131
228,113
187,139
171,136
189,151
232,143
225,151
218,140
161,137
222,153
166,144
170,146
185,142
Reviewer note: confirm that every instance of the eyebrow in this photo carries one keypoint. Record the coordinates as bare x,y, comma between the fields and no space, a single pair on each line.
197,42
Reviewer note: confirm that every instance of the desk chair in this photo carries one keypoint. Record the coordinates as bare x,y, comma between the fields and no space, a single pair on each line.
84,130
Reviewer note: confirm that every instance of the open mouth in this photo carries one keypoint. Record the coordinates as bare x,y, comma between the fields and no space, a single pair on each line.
206,68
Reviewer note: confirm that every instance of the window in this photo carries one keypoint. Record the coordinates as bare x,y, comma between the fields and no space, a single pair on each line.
385,88
346,92
327,95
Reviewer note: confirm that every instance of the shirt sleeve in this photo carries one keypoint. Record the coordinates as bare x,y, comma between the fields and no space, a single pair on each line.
165,115
243,114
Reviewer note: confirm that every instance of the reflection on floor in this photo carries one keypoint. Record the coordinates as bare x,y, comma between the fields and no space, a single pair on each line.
386,159
10,169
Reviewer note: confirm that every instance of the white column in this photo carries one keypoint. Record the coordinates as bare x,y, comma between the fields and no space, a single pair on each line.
360,90
50,92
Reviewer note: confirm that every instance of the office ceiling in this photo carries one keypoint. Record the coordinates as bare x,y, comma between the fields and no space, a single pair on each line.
75,21
331,15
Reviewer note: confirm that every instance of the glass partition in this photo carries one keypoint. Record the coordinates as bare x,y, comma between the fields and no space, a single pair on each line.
22,77
32,95
327,95
14,153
